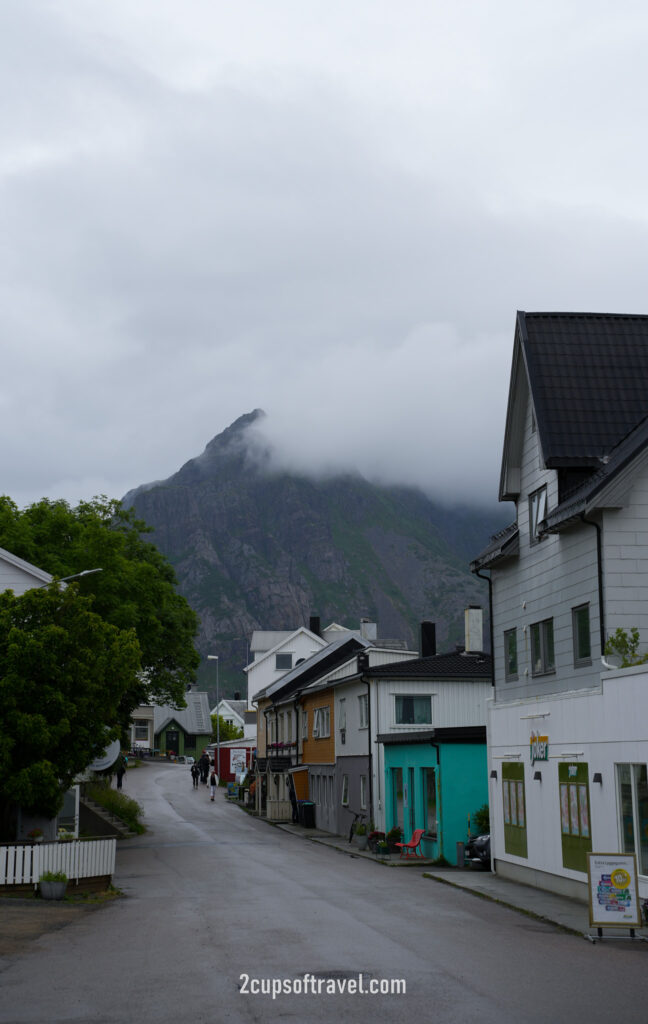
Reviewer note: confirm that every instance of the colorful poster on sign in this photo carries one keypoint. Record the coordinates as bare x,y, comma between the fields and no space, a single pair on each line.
614,895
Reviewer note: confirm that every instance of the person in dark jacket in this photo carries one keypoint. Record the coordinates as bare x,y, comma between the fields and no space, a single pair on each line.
195,775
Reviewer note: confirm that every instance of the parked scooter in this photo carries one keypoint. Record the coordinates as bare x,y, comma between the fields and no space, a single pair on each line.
477,852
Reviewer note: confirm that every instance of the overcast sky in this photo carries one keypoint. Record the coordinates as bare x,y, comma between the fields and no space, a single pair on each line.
329,210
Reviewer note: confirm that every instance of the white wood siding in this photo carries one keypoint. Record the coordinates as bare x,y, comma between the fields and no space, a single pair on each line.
14,577
625,560
547,580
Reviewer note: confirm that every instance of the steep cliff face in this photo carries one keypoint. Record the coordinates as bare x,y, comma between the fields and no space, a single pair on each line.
254,549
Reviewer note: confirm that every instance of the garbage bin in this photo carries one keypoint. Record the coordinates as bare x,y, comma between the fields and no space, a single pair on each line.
308,813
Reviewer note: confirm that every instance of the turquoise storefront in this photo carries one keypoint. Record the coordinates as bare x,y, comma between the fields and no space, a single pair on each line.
435,780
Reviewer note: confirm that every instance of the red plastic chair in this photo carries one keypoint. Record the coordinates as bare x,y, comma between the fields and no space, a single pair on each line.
413,848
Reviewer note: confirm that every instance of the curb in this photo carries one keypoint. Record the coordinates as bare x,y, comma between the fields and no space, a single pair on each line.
504,903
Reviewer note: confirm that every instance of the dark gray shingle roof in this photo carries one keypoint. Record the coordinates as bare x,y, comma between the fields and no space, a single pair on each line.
588,374
456,665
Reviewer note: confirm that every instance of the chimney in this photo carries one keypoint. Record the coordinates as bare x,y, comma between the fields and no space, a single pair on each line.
428,639
237,695
368,629
474,620
314,625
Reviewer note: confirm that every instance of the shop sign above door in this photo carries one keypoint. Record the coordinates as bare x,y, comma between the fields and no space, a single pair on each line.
539,747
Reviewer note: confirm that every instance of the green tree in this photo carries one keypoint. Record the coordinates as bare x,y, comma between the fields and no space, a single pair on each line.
228,731
135,590
64,672
626,647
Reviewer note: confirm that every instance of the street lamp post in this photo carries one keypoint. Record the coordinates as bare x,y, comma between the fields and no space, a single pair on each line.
64,579
214,657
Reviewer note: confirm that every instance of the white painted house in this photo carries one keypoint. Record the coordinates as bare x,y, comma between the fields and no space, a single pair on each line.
567,734
20,576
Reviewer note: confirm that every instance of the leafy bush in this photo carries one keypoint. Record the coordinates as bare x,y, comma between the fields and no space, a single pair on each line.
53,876
122,806
481,820
625,647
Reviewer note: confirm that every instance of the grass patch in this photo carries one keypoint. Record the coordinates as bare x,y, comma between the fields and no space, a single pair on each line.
117,803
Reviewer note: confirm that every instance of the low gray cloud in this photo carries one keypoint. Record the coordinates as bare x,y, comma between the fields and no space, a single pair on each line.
328,212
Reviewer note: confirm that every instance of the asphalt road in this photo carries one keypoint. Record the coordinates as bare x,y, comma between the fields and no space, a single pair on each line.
220,909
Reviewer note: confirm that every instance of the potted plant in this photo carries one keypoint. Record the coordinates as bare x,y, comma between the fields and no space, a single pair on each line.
52,885
394,836
36,835
361,836
382,848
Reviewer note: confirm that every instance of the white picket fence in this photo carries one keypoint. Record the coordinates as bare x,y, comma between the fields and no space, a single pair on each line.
21,865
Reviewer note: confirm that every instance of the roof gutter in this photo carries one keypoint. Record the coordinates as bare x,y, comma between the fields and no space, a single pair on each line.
481,576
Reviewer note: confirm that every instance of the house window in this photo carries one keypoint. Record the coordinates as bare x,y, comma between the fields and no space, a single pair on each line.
632,782
428,785
537,512
190,741
342,713
581,634
321,723
363,792
542,648
363,706
345,790
283,662
141,729
304,725
413,710
514,806
510,654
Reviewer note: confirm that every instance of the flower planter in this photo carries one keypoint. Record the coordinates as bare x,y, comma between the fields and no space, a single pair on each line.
361,841
52,890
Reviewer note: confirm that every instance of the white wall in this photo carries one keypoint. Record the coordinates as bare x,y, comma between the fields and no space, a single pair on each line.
606,726
545,581
261,673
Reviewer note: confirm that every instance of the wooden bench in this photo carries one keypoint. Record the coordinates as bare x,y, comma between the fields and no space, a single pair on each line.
413,848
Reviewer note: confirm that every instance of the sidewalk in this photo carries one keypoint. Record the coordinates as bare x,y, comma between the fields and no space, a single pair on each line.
560,911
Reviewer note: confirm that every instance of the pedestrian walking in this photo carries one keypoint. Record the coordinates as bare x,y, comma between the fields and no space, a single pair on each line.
121,771
195,775
213,782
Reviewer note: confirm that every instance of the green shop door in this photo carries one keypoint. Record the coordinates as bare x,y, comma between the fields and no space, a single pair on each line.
172,741
575,826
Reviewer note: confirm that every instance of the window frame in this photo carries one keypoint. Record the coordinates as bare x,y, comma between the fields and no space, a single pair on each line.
288,659
537,512
322,722
581,660
345,791
545,645
413,697
363,792
141,729
510,675
363,706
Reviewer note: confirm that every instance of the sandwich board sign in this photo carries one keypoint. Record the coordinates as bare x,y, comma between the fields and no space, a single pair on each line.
613,891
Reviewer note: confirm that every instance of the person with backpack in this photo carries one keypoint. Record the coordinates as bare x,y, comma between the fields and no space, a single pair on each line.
213,782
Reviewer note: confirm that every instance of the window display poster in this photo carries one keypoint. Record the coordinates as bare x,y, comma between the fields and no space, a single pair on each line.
237,760
614,895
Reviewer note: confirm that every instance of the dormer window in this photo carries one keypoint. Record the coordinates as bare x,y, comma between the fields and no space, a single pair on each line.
283,662
537,512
